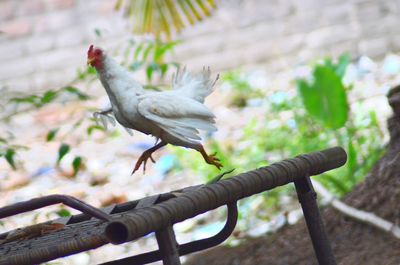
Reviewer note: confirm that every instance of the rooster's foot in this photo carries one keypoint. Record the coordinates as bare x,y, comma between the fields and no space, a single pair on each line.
147,155
213,160
143,160
210,159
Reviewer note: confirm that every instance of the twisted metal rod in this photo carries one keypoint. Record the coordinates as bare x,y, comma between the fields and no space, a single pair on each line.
37,203
146,220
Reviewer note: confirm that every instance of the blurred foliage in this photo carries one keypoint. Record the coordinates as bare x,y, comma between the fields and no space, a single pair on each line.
149,55
39,100
315,117
241,90
76,164
9,156
8,150
62,212
325,98
26,103
62,151
164,17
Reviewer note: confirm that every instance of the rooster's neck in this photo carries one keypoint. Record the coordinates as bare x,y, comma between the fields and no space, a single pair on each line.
110,69
117,81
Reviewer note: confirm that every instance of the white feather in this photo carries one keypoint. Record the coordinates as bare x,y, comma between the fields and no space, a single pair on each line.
197,86
180,116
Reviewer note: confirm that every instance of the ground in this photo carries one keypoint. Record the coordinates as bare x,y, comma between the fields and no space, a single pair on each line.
353,242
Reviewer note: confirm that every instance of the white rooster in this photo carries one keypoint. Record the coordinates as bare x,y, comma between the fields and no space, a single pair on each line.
174,116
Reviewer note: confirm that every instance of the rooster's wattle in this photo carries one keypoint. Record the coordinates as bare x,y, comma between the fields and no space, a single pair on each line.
174,116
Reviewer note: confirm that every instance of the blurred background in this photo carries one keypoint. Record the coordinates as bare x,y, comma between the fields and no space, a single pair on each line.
273,56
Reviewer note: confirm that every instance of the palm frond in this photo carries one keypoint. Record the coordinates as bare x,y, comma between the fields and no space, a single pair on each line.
163,18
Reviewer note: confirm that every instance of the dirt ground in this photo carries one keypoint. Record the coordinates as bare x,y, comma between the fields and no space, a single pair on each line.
353,242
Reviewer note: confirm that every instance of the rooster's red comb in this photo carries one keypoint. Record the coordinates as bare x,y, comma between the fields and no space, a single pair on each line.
90,49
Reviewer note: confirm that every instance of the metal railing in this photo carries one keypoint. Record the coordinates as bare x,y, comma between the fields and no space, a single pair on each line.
130,221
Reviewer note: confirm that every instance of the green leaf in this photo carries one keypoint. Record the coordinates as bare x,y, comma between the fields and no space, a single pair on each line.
138,49
373,119
340,67
219,176
77,92
146,52
335,183
150,70
48,97
62,151
352,157
92,128
91,70
162,48
9,156
63,213
163,69
344,61
31,99
97,32
51,134
325,99
76,164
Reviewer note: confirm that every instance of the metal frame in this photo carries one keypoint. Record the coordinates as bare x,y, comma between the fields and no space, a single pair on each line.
308,200
183,249
129,221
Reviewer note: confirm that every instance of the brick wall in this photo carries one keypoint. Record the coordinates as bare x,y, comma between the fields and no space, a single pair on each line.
43,42
281,33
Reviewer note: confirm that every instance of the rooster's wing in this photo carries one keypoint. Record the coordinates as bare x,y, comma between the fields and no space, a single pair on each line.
177,115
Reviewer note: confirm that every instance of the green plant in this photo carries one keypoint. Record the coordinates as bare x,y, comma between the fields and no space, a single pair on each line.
325,99
295,122
8,151
149,55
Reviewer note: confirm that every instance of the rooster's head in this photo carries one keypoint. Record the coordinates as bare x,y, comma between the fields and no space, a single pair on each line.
95,56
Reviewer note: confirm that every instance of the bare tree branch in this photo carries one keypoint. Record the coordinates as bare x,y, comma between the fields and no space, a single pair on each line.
356,214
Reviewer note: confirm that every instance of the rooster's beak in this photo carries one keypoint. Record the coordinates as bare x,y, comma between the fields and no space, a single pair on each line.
90,61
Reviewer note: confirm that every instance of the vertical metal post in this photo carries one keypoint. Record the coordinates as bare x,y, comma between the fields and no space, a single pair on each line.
308,200
168,246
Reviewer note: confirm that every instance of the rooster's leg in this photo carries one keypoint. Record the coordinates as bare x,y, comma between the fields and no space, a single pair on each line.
103,112
210,159
146,155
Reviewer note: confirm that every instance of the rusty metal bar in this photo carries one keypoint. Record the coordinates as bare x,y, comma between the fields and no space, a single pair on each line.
189,247
144,221
308,200
129,224
37,203
168,246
